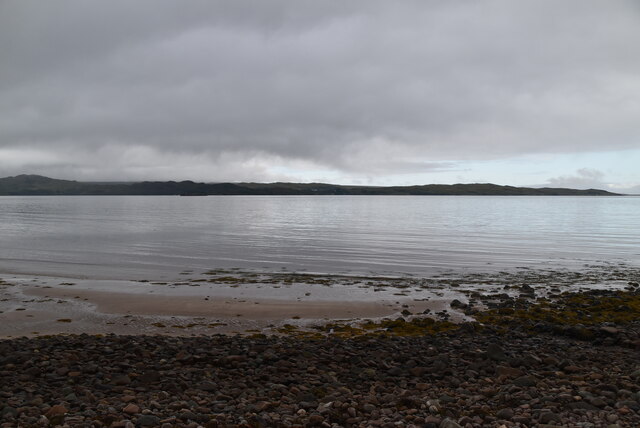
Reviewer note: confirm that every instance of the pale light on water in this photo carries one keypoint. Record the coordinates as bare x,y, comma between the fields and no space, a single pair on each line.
127,237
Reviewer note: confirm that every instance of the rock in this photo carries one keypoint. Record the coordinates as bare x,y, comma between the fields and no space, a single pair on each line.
121,380
9,411
315,420
148,421
506,413
446,399
525,381
582,405
527,289
226,381
432,421
631,404
508,371
149,376
597,402
547,417
495,352
368,407
449,423
57,410
457,304
208,386
609,330
131,409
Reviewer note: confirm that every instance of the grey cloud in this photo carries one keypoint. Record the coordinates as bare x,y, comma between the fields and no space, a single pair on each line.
353,86
590,178
584,178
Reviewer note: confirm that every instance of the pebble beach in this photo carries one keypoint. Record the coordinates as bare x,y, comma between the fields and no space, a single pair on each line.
571,361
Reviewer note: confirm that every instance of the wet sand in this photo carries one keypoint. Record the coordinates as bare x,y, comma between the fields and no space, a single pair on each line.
232,301
32,308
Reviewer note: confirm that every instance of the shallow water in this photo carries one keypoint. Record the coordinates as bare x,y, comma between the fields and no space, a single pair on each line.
125,237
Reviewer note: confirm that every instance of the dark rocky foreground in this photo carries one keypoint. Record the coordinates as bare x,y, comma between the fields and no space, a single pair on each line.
471,377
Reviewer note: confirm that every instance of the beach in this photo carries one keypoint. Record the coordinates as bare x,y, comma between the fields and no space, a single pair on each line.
443,352
244,302
465,378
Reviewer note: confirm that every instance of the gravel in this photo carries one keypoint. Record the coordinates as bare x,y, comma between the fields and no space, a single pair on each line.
465,378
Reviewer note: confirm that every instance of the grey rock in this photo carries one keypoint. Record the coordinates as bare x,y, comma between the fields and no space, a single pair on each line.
582,405
547,417
506,413
524,381
449,423
633,405
495,352
148,421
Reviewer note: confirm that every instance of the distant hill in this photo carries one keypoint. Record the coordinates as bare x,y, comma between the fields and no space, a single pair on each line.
39,185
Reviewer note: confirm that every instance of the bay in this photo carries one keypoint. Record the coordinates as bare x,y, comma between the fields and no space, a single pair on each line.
127,237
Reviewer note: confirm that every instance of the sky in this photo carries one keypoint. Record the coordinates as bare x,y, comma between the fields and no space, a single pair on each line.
527,93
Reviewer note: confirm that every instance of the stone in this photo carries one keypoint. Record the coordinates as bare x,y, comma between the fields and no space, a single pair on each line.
547,417
9,411
121,380
455,303
597,402
582,405
148,421
525,381
508,371
449,423
131,409
315,420
506,413
57,410
495,352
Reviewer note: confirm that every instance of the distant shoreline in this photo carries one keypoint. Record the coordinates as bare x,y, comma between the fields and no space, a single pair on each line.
35,185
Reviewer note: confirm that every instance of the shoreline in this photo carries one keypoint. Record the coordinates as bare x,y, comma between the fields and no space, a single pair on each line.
533,356
51,305
231,301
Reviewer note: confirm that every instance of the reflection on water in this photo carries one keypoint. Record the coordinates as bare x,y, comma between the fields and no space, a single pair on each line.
127,236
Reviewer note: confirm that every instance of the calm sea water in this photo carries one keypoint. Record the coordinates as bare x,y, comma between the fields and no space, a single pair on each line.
127,237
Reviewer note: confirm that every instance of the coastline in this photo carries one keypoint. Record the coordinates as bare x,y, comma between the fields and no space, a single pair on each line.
562,354
246,302
35,309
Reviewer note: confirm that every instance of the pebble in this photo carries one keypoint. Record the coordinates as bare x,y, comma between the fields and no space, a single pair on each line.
450,380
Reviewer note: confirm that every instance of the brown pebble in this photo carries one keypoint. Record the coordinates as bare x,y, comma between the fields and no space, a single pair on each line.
56,410
131,409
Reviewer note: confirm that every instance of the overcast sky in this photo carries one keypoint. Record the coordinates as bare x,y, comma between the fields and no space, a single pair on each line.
540,92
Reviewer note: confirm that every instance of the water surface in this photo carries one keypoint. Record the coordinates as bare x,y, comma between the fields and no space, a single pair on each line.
132,236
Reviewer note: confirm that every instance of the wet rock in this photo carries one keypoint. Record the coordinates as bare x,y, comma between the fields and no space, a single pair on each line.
457,304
